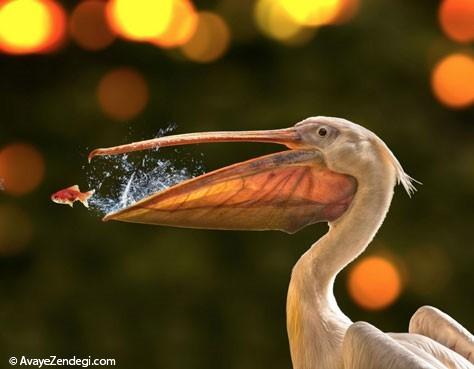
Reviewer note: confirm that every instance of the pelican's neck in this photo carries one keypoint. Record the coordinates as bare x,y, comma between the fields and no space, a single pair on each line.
350,235
316,325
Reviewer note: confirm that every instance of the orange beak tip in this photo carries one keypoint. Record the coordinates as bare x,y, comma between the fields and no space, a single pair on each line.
91,156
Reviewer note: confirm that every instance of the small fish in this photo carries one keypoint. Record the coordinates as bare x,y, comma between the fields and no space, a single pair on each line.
70,195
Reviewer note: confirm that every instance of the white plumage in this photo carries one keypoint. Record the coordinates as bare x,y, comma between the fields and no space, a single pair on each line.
321,336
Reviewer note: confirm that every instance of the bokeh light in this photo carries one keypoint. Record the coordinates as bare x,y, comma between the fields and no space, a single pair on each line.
453,80
312,13
182,26
88,25
210,40
275,22
122,93
457,19
59,25
374,283
139,20
347,10
293,21
15,229
21,168
31,26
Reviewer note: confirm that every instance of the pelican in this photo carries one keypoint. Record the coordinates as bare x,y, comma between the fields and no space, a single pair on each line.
334,171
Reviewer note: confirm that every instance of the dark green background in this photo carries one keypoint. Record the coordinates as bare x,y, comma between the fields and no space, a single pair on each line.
175,298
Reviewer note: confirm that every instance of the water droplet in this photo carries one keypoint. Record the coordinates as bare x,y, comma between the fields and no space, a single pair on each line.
135,177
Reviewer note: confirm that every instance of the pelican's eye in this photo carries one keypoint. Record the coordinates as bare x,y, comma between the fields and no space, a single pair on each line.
322,131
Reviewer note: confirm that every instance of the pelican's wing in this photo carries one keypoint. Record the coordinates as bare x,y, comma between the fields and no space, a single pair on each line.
366,347
283,191
431,322
423,346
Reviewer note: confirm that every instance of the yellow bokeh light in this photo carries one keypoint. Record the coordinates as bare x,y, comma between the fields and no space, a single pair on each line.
457,19
89,27
453,81
210,41
24,24
30,26
374,283
182,26
274,21
139,20
21,168
122,93
312,12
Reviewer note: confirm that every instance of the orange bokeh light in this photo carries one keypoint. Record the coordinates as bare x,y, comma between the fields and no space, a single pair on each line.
183,24
374,283
139,20
59,24
88,25
122,93
31,26
210,41
21,168
453,80
457,19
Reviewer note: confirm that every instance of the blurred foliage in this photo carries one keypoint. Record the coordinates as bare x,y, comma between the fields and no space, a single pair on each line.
178,298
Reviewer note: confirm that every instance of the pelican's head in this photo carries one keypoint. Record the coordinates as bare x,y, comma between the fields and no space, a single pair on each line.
352,149
314,181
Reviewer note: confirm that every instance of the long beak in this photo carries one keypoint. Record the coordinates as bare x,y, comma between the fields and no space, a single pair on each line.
289,137
284,191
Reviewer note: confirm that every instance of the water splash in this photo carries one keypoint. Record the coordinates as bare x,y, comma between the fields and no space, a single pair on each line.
121,180
124,199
